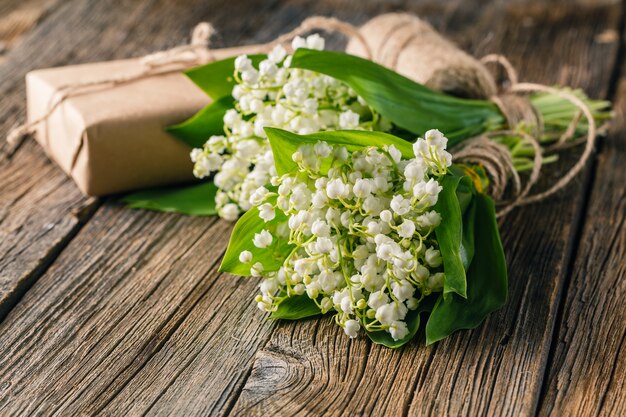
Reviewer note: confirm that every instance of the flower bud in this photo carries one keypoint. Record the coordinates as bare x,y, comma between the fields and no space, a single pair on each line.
351,327
245,257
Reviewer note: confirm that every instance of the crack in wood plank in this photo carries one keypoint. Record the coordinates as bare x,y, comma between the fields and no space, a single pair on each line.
40,214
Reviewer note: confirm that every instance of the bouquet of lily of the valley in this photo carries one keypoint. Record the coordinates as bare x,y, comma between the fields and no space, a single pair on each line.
376,230
342,209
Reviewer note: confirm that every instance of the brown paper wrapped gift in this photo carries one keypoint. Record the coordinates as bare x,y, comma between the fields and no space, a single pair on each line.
111,140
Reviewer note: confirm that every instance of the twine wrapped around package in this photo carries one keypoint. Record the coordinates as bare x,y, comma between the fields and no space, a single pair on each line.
105,123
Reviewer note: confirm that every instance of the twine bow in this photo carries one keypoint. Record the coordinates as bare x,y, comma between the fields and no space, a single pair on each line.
496,159
172,60
179,58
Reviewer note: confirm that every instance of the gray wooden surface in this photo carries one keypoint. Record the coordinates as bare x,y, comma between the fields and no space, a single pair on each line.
109,311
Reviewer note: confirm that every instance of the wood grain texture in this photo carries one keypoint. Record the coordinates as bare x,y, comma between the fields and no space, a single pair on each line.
40,209
110,307
39,214
588,372
133,318
497,369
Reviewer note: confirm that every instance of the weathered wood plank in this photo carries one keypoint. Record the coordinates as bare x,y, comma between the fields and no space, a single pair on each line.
498,369
115,296
40,210
588,371
133,318
39,214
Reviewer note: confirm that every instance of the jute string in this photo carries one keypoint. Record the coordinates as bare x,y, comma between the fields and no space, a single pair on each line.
163,62
197,52
495,158
481,150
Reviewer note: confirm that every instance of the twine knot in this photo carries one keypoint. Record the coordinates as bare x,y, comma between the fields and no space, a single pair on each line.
522,116
519,112
196,52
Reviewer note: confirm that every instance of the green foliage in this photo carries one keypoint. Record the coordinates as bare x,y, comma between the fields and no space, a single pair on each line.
207,122
486,279
217,81
247,226
450,236
557,112
285,143
193,200
409,105
295,308
216,78
412,322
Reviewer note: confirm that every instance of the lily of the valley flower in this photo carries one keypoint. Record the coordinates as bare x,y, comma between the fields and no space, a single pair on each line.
362,231
278,96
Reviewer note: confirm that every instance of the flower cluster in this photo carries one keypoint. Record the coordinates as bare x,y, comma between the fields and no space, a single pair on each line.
273,95
361,224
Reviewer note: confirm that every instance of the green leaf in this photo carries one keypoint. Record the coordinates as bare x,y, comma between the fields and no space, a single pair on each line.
486,280
407,104
247,226
466,188
194,200
207,122
296,307
467,244
285,143
412,322
450,237
216,78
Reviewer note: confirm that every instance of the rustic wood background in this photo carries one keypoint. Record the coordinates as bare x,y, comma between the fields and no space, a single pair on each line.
105,310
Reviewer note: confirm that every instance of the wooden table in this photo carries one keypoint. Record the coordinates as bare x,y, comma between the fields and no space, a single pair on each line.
106,310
